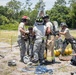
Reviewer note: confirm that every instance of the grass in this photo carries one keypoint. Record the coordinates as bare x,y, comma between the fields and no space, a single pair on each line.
8,36
73,33
11,36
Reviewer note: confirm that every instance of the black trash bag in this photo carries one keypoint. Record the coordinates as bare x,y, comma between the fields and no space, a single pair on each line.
73,42
73,60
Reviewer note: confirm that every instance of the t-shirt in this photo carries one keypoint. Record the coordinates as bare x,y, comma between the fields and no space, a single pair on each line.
67,35
39,31
21,25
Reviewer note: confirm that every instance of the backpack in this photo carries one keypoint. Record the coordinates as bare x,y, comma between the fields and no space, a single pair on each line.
55,30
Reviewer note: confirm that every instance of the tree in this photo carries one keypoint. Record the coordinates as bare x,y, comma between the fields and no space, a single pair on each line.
73,15
34,13
72,1
28,5
60,2
3,20
15,7
3,10
60,14
73,12
33,16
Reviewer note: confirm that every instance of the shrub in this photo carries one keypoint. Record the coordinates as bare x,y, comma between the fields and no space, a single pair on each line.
3,20
10,26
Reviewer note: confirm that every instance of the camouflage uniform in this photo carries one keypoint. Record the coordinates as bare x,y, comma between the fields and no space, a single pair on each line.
21,41
39,44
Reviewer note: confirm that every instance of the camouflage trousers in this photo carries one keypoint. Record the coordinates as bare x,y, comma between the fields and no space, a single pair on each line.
22,46
72,41
39,49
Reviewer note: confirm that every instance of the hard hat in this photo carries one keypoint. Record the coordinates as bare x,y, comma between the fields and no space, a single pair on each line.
63,24
26,59
26,17
46,16
11,63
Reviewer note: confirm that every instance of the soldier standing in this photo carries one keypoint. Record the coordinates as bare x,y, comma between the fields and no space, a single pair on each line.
68,37
21,36
50,36
39,45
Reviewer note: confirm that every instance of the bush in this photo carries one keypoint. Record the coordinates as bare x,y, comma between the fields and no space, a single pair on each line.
3,20
10,26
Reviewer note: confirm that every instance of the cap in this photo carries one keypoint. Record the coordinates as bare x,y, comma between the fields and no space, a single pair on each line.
63,24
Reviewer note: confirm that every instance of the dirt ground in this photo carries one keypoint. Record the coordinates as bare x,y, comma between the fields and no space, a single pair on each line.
61,67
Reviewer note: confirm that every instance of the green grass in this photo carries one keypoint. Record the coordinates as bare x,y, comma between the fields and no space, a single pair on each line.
8,36
11,36
73,33
9,27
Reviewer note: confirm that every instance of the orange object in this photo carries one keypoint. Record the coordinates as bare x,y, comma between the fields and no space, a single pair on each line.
57,53
66,52
70,51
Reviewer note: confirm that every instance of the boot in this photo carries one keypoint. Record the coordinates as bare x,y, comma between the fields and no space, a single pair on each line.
42,62
34,61
53,61
21,59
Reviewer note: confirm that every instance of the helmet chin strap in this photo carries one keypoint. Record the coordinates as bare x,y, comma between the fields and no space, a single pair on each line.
39,23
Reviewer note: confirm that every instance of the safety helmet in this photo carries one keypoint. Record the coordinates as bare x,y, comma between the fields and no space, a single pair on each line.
24,18
26,59
46,16
63,24
39,21
11,63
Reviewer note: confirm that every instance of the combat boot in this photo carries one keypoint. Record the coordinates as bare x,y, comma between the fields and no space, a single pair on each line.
42,62
34,61
53,61
21,60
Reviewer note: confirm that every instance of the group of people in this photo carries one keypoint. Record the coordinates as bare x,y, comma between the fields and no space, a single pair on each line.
42,35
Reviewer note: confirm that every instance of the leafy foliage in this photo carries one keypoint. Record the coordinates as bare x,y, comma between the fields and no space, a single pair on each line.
3,20
73,15
60,2
14,10
59,13
9,27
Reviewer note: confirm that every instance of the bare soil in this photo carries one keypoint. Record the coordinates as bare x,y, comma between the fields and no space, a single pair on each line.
61,67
